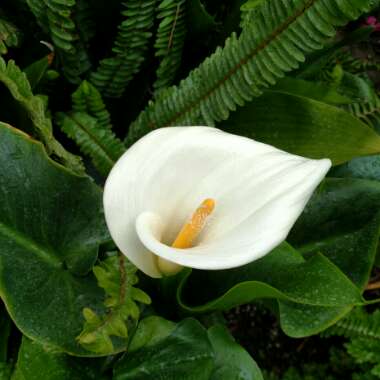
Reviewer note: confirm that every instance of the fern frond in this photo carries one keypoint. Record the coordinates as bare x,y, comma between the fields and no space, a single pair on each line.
367,105
65,35
58,15
84,19
88,99
114,73
38,8
100,144
283,33
358,323
248,10
353,64
117,277
10,36
18,85
170,40
344,59
369,111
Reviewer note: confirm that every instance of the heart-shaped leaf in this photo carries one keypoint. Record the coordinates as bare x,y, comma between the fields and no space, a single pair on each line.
51,225
36,363
315,286
231,360
185,353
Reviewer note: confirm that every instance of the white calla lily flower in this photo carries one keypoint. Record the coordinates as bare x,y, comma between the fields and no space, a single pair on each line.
252,194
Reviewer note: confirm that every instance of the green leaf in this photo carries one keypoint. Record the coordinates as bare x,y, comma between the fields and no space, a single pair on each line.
149,331
35,362
5,371
232,361
361,167
10,36
185,354
305,127
36,71
51,225
298,321
116,276
17,83
323,92
316,284
342,221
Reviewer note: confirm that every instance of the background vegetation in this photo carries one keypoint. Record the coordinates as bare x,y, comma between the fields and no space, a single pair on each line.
87,79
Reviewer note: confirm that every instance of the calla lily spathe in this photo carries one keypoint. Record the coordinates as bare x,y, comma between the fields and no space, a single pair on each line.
259,192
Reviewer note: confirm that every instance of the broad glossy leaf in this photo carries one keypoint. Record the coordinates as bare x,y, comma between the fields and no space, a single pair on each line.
299,321
51,225
342,221
232,362
36,363
185,354
282,275
323,92
305,127
149,331
361,167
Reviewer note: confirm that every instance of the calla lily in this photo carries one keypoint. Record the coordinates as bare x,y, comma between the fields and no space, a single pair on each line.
253,194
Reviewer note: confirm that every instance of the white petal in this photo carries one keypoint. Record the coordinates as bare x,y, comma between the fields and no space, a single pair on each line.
159,182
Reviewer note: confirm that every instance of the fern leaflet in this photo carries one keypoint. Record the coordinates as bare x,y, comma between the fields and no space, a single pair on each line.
369,111
9,36
84,19
170,40
98,143
117,277
358,323
38,9
282,34
88,99
114,73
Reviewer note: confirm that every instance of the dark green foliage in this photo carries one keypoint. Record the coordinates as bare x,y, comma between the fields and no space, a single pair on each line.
358,324
276,43
117,277
368,111
57,18
169,40
84,19
37,362
130,47
98,142
353,64
88,99
363,329
38,9
65,289
18,85
54,228
10,35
